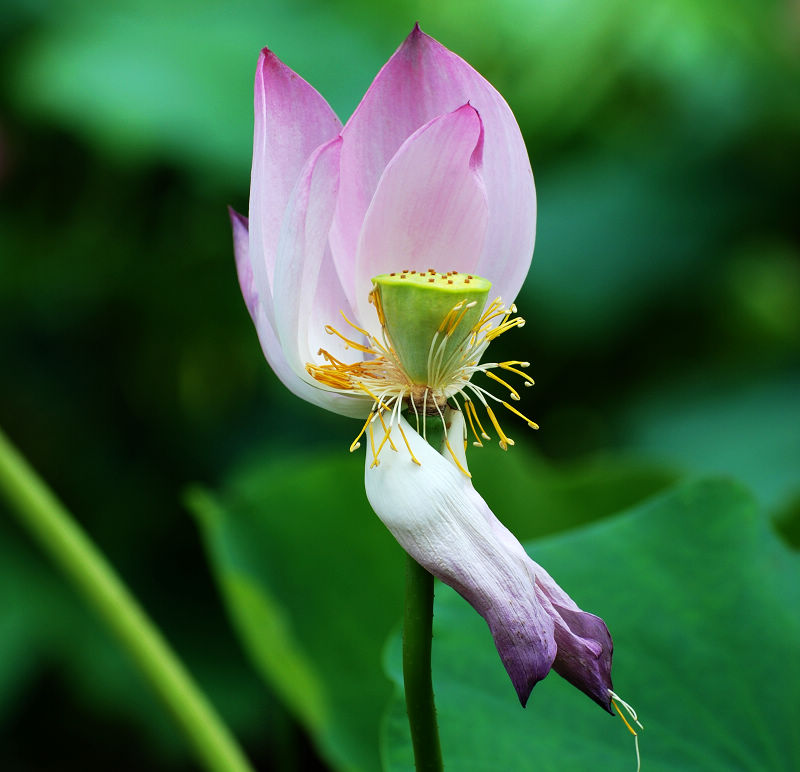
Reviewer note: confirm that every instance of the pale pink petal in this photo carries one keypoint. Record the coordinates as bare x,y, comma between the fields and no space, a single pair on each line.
308,295
421,81
442,522
270,345
291,120
429,209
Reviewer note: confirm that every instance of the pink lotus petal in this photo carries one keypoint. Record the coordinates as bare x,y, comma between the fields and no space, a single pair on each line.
270,344
291,120
308,295
429,209
421,81
244,268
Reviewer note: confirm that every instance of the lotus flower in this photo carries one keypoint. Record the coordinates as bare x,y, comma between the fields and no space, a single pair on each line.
430,170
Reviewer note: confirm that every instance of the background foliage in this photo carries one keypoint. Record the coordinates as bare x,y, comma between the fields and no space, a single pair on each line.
663,325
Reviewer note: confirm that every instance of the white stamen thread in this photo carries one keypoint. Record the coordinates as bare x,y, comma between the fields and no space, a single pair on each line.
615,698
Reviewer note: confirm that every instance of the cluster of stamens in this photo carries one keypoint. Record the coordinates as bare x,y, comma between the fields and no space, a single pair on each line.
384,380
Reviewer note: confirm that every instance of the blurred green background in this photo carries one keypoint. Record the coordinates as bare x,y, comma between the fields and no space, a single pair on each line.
663,314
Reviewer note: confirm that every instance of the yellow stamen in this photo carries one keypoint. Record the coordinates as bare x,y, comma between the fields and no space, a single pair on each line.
532,424
504,441
477,443
632,713
383,441
387,431
478,420
375,461
448,317
410,452
505,326
458,463
494,310
349,343
514,393
356,444
624,720
456,321
508,366
375,299
368,392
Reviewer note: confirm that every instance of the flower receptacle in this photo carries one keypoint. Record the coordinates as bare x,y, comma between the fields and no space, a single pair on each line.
422,311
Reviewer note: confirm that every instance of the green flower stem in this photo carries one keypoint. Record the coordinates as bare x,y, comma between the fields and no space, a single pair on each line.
67,545
417,639
417,635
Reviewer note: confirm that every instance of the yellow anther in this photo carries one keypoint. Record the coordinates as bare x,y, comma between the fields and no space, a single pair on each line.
504,441
410,452
375,461
349,343
383,442
632,713
369,393
525,418
624,720
356,444
478,420
477,443
455,322
448,317
508,366
458,463
514,393
387,431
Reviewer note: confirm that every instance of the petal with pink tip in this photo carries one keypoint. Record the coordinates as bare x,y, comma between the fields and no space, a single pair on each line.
429,209
423,79
442,522
291,120
270,345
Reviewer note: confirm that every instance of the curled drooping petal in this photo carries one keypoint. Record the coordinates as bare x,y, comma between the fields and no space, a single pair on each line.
421,81
584,643
440,520
444,524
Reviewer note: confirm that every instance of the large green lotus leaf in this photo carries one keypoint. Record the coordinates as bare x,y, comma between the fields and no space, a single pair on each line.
702,600
314,582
